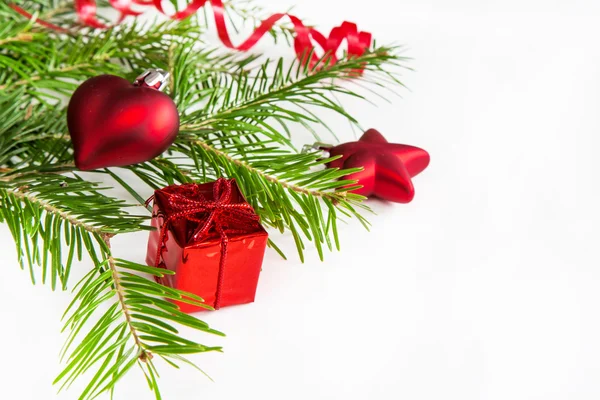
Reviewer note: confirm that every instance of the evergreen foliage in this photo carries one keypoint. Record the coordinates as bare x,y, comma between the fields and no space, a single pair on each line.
237,115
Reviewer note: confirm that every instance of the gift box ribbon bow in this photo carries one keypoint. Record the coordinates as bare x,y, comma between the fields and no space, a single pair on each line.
220,215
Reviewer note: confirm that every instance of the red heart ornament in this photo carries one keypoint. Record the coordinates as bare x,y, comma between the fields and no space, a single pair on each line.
114,123
388,168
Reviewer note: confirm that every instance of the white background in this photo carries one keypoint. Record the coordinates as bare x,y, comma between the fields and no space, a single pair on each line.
486,286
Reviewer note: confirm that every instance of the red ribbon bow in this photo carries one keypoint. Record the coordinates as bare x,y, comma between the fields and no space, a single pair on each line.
218,214
358,42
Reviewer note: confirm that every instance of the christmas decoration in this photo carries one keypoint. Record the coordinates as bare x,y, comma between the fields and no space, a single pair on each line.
211,238
236,115
387,167
358,42
113,122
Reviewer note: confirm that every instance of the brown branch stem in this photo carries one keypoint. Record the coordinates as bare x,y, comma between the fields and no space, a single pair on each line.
298,189
64,69
144,355
10,178
55,210
21,37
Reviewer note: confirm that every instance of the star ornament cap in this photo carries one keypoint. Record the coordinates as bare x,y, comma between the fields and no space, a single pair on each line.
388,168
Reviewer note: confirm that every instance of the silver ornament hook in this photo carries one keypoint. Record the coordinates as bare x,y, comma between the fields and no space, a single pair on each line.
155,78
316,148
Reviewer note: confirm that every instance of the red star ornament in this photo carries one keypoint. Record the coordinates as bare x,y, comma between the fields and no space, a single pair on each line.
387,167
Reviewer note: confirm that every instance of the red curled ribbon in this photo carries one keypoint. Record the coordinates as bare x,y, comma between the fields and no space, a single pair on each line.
39,21
358,42
219,216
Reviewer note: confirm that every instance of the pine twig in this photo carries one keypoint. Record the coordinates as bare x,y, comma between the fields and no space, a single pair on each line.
144,355
12,174
20,37
21,195
237,119
57,71
287,185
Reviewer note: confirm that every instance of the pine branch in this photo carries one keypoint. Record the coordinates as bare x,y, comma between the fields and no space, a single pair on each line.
132,331
285,190
32,137
49,215
49,208
51,71
60,71
118,286
266,102
237,117
284,187
270,178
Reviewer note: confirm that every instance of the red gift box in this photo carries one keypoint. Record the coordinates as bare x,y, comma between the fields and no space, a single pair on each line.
211,238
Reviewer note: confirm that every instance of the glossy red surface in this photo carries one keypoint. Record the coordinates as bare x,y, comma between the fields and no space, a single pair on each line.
388,167
114,123
196,259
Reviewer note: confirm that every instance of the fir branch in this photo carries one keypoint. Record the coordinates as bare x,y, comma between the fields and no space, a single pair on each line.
51,215
19,37
51,71
118,286
270,178
139,325
62,7
44,205
224,138
267,101
59,71
237,114
32,137
285,189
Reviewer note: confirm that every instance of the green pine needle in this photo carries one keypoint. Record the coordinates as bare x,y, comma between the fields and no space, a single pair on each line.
238,114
